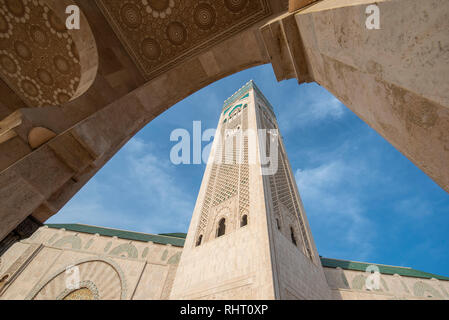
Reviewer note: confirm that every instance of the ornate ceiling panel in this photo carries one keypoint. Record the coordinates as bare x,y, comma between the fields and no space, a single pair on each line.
158,34
38,58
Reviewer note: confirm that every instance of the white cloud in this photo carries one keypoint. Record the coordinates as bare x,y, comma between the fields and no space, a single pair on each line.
329,195
90,206
329,108
309,110
138,192
153,178
136,145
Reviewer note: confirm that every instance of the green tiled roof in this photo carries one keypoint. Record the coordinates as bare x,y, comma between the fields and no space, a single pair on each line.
384,269
242,92
176,235
237,95
176,239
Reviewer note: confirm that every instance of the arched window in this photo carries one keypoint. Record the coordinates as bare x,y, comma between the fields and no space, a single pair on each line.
244,221
278,224
292,233
198,241
221,227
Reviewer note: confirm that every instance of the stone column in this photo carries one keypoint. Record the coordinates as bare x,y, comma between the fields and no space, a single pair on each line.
395,78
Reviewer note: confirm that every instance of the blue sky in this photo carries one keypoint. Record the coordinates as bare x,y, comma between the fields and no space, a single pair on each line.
364,200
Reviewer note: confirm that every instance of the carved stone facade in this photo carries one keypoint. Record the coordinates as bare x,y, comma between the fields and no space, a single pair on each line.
285,202
77,127
98,266
98,86
400,283
227,193
232,241
159,34
126,266
39,57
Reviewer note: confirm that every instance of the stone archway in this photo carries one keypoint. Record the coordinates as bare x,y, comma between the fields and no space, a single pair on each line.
317,43
92,128
100,278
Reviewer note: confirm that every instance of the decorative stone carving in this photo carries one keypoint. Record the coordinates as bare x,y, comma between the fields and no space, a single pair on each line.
159,34
38,136
72,240
422,289
42,61
126,250
109,280
87,291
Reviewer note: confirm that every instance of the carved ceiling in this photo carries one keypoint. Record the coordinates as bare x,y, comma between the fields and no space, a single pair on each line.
158,34
38,58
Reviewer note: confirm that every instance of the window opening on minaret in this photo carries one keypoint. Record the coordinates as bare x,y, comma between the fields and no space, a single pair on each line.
198,242
292,233
244,221
221,227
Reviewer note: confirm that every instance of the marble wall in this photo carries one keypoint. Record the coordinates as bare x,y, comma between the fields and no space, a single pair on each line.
351,285
108,267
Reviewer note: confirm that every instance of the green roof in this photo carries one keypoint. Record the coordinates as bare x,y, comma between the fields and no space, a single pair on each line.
176,235
242,92
176,239
383,269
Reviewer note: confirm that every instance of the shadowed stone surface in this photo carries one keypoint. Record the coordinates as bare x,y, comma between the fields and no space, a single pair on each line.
395,79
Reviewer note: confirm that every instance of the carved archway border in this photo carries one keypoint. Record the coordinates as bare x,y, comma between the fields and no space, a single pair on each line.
35,291
83,284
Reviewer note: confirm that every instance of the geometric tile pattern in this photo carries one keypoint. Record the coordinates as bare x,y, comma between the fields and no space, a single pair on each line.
38,58
158,34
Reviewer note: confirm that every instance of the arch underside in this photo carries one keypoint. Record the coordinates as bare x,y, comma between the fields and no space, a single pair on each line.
87,279
139,77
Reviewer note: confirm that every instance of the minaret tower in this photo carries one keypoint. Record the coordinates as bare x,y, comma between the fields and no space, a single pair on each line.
249,237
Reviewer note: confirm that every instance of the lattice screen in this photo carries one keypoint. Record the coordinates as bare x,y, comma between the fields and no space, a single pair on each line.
282,189
230,177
